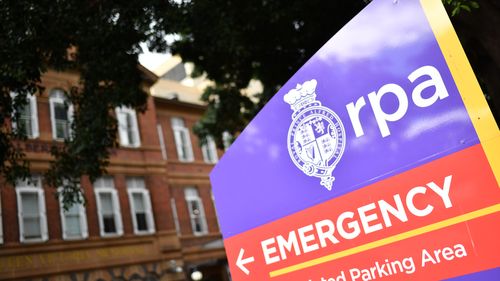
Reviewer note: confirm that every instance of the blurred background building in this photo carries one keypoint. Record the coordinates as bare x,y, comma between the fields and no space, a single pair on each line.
151,218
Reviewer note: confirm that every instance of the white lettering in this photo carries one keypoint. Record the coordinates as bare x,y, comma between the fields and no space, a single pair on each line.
354,225
353,109
386,208
269,250
305,239
410,202
380,115
326,234
366,219
436,81
288,244
444,192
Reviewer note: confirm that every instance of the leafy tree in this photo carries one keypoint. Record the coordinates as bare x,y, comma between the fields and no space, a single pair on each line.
232,41
99,40
236,41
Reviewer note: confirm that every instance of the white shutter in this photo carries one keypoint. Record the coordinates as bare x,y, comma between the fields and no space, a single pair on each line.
159,129
20,215
61,214
149,212
83,222
122,127
99,211
117,212
53,118
130,192
178,144
204,151
135,129
173,206
71,113
187,144
213,149
34,117
43,215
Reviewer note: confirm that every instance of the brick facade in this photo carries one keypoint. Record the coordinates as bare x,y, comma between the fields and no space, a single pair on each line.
164,250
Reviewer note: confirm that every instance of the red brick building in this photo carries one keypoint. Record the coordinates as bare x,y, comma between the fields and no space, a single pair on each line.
151,218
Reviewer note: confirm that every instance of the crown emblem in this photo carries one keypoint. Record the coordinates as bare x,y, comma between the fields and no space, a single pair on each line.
316,137
302,96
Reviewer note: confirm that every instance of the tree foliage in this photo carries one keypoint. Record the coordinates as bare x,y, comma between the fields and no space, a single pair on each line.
232,41
235,41
97,39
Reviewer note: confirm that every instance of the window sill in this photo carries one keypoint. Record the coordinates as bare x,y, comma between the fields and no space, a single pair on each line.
33,241
144,233
111,235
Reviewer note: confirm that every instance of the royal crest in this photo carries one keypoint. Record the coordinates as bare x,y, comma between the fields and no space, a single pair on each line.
316,137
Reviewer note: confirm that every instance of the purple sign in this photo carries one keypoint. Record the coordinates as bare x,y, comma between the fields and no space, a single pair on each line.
378,159
371,51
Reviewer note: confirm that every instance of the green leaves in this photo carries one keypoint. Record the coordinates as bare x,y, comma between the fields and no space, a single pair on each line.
103,38
456,6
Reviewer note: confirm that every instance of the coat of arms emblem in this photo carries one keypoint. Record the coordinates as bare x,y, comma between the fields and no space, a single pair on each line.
316,137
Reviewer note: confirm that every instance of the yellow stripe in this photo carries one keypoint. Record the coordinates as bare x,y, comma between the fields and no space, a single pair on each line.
388,240
469,89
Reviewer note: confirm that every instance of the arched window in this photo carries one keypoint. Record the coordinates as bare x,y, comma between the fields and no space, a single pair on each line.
61,114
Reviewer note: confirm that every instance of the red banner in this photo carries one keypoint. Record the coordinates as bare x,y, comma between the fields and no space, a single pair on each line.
431,221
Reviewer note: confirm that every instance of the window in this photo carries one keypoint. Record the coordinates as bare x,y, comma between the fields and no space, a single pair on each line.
196,211
61,113
28,117
140,206
108,207
73,221
31,211
227,139
128,129
209,151
182,140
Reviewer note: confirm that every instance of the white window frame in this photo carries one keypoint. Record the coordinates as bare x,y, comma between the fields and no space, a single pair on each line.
34,132
180,130
124,127
163,147
227,139
58,96
209,151
195,197
82,218
35,187
136,185
102,186
173,205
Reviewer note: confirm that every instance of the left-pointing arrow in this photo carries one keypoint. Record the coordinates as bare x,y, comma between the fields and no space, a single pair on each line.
240,262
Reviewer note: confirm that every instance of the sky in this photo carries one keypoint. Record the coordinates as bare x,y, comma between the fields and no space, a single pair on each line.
152,60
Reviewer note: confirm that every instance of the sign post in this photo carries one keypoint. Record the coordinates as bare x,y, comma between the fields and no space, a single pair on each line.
378,160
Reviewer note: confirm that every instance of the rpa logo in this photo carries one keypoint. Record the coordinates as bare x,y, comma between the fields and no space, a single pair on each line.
316,137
